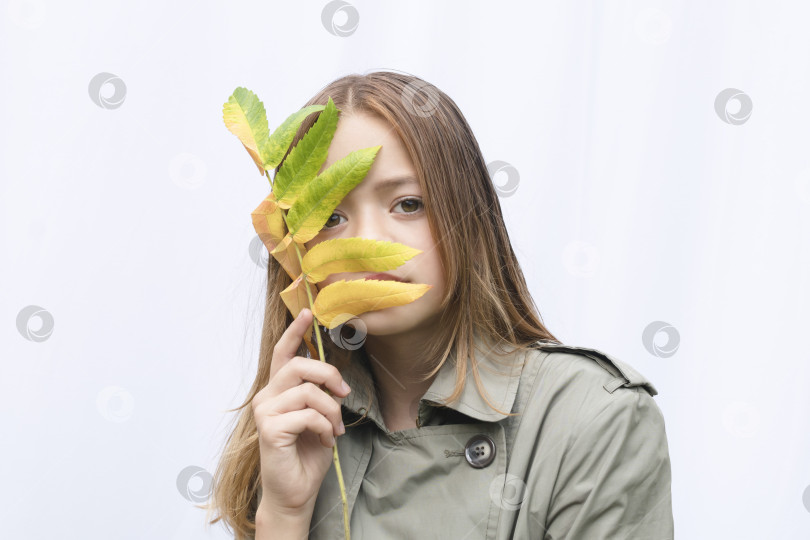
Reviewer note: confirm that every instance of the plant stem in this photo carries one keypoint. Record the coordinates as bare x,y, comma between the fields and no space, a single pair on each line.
335,458
322,355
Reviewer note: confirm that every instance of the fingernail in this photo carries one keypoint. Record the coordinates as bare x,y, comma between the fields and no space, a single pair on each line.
346,388
341,429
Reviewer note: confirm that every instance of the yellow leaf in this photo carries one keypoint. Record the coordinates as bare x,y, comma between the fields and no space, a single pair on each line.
268,222
354,255
295,296
256,159
342,300
283,244
245,117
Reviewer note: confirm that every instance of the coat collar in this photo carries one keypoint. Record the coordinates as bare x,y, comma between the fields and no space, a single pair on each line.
499,367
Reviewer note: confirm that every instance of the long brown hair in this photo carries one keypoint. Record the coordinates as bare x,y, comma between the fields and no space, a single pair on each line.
486,291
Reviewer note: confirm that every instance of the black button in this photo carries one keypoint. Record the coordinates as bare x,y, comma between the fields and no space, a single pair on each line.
480,451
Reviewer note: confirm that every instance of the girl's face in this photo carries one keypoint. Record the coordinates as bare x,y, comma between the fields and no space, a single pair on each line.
386,205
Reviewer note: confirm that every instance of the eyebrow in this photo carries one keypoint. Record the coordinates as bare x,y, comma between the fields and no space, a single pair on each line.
391,183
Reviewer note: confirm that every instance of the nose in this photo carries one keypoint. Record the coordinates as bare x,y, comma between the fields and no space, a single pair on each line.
370,223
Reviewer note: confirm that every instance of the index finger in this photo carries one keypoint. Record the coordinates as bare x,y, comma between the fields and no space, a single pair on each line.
287,346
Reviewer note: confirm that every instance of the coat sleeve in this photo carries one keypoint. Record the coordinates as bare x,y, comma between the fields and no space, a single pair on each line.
614,480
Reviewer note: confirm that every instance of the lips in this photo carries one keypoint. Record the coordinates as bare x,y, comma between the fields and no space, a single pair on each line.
385,277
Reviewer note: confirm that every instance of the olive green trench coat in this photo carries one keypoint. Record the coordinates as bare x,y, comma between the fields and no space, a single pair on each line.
586,458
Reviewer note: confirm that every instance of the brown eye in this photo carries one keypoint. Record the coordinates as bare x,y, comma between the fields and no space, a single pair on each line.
410,205
331,222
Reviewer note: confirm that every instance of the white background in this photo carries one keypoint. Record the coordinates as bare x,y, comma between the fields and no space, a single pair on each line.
637,203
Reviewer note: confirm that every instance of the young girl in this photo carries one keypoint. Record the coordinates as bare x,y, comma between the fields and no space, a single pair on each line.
458,415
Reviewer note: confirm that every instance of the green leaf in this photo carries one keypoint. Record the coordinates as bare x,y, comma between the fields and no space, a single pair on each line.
319,198
282,137
306,158
245,117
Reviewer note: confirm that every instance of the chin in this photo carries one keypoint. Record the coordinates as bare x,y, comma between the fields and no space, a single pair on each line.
394,320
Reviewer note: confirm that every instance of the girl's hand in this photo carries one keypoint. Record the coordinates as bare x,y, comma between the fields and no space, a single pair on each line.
297,422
